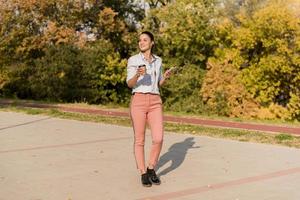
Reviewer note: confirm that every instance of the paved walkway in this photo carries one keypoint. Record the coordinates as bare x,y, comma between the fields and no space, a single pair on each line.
45,158
197,121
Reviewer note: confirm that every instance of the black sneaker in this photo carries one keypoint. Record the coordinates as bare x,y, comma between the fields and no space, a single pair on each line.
145,180
153,177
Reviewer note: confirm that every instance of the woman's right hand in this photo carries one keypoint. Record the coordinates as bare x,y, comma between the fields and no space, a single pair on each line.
141,70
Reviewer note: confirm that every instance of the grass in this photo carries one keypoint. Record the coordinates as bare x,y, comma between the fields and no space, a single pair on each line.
284,137
179,114
232,119
225,133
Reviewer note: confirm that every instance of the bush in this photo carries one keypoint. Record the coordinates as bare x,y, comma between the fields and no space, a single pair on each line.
181,92
67,73
3,78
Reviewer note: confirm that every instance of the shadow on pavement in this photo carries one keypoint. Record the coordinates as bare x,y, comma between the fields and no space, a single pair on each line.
176,155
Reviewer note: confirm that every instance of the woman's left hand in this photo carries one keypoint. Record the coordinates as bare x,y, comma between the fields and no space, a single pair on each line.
168,73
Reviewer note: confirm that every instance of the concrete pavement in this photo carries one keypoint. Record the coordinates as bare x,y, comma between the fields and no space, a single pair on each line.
45,158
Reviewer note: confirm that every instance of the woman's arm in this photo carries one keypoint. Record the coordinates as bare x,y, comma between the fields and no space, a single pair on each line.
166,75
132,82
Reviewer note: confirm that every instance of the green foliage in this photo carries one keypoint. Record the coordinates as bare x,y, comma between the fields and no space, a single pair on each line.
294,106
66,73
265,46
282,137
105,73
49,77
48,49
181,93
222,90
3,78
58,75
18,84
185,31
271,55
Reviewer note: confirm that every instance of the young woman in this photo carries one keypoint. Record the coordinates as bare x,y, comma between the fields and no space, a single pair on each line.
144,76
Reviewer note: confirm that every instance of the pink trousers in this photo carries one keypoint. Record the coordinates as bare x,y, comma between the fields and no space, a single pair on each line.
146,108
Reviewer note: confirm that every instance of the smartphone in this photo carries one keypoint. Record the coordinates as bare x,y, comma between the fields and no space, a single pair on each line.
172,69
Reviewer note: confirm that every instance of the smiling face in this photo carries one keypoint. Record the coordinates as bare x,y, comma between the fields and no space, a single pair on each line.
145,43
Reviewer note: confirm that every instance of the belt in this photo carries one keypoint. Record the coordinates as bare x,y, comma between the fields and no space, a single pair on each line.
144,93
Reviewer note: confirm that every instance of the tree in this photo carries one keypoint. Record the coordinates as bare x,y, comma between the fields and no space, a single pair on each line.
181,92
223,91
266,49
29,26
185,31
34,31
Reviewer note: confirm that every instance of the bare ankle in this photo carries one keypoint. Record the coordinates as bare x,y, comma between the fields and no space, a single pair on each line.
150,167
